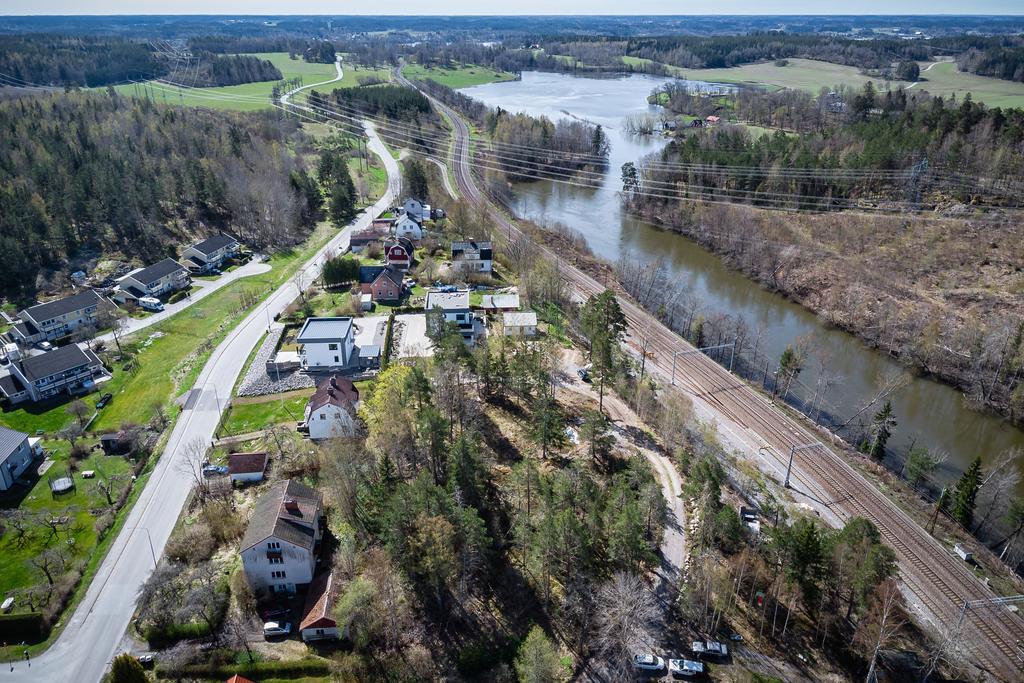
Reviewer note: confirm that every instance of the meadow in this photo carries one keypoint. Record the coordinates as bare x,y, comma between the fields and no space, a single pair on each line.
463,76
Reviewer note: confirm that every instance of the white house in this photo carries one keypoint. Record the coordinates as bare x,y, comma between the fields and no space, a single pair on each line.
210,253
317,622
56,319
331,410
499,303
408,228
15,456
326,343
246,467
519,324
472,256
456,310
65,371
417,210
155,280
279,547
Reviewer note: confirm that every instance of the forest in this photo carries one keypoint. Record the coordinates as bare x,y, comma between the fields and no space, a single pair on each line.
73,61
106,174
873,133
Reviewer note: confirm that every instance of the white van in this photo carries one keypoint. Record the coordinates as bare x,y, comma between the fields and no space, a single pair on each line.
151,303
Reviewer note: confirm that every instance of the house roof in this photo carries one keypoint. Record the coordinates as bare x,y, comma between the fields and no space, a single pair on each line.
10,440
68,304
335,390
59,360
239,679
272,516
403,242
449,301
471,245
370,274
324,330
247,463
367,236
26,329
490,301
212,244
155,272
319,600
10,385
519,319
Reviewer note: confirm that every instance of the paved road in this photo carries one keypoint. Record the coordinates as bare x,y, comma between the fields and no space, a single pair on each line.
203,289
89,642
929,571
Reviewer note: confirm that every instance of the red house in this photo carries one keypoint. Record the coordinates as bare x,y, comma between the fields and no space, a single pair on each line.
382,283
398,254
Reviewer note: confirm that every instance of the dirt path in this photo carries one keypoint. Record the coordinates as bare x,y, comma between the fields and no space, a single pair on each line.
624,422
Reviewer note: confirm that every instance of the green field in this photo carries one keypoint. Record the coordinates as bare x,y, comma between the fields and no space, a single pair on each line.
942,78
245,97
464,76
243,418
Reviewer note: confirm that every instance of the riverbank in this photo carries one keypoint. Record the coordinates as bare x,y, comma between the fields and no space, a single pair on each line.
944,296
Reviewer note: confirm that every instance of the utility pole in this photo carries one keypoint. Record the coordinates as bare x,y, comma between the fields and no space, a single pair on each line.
935,514
793,450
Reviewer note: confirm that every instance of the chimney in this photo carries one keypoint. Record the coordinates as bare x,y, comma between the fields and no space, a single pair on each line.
291,506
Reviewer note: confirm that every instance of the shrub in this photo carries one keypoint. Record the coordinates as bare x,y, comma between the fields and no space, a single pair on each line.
102,523
192,544
177,296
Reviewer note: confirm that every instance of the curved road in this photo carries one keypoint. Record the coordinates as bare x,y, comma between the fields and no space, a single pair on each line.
93,633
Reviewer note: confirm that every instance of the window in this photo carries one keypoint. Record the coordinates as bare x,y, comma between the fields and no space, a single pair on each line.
332,347
336,359
274,545
278,575
275,560
323,416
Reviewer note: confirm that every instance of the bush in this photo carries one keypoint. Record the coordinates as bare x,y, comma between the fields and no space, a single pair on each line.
192,544
63,589
276,669
102,524
177,296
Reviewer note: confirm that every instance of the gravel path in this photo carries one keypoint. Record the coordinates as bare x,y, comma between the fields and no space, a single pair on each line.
258,383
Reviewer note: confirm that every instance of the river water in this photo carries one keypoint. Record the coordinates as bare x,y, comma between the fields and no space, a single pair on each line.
928,413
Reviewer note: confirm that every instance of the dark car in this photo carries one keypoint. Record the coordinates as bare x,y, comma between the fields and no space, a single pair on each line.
104,400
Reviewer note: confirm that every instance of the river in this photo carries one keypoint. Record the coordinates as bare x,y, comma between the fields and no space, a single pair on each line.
928,413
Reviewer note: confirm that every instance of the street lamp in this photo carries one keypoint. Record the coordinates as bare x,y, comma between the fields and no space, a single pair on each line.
793,451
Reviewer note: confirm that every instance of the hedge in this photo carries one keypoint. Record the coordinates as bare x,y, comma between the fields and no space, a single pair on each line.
18,627
300,667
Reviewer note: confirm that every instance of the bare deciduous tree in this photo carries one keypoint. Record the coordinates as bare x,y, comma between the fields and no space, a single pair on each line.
626,615
881,625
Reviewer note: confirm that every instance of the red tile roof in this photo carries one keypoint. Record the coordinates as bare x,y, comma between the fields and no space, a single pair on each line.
247,463
336,390
319,601
239,679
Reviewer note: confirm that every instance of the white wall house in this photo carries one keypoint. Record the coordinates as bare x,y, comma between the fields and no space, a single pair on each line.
156,280
473,256
408,228
519,324
280,544
331,410
15,456
416,209
56,319
456,310
246,468
65,371
210,253
326,343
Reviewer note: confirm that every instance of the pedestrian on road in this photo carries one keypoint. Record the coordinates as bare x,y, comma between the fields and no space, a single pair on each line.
27,659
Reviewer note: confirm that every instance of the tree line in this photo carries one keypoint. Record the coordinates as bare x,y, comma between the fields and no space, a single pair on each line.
86,61
120,174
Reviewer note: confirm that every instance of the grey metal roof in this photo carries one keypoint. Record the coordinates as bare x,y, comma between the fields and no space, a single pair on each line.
369,351
53,362
155,272
519,319
10,440
68,304
324,330
499,301
449,301
212,244
10,385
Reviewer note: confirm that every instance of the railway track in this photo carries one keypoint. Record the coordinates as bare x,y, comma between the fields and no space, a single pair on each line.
939,581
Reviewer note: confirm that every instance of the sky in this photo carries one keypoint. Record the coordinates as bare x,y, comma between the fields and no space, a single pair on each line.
450,7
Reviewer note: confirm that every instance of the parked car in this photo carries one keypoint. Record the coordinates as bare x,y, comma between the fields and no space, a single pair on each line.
684,668
104,400
648,662
146,660
584,373
274,629
269,614
44,346
214,470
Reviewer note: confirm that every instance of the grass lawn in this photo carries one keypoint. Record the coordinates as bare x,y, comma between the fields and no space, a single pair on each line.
250,417
464,76
943,78
235,97
78,539
331,302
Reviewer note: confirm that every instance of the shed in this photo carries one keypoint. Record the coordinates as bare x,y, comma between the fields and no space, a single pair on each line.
317,622
366,302
247,467
520,324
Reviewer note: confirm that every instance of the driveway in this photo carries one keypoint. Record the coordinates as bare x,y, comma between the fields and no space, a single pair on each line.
413,341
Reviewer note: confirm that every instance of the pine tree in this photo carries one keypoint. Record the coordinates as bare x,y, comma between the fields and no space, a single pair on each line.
416,180
881,429
537,660
126,669
965,494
